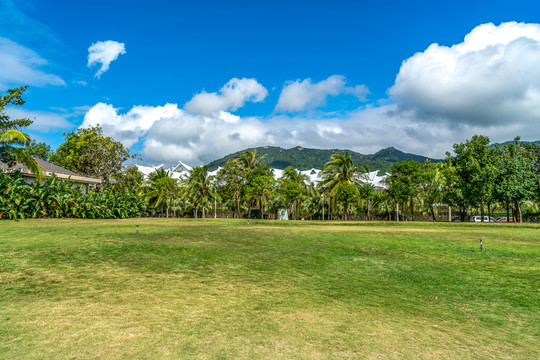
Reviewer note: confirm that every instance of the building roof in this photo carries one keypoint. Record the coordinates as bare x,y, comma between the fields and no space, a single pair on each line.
49,170
182,171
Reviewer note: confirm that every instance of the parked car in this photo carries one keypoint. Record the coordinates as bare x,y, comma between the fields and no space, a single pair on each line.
478,218
505,219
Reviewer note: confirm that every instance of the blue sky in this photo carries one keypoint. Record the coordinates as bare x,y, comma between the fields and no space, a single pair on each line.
327,74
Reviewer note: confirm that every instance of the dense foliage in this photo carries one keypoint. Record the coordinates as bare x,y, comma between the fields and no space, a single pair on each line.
59,198
87,151
12,139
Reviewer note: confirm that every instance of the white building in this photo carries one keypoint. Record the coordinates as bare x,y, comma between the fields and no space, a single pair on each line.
182,170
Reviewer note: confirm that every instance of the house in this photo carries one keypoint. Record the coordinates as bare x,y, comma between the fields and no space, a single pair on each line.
50,170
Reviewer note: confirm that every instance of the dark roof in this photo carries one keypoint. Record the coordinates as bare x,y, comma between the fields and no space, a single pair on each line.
49,169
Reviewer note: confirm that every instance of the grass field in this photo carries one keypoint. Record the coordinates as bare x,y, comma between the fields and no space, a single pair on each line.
223,289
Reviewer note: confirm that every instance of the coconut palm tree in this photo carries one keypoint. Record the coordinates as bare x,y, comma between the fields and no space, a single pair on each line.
199,188
294,184
250,160
340,177
10,140
11,136
161,189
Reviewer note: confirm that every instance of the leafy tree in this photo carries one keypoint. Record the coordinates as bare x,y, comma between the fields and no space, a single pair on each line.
12,139
38,150
431,184
230,180
338,176
517,180
88,151
404,181
476,170
129,180
259,186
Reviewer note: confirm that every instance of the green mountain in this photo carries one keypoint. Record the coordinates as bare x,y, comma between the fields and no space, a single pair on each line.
506,143
304,159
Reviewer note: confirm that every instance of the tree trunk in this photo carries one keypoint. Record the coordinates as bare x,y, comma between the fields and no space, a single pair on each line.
519,212
368,206
346,210
449,213
249,209
196,212
432,212
482,209
203,212
162,209
412,209
238,206
489,212
507,212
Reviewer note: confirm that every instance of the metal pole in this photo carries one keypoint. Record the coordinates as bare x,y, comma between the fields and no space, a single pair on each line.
323,207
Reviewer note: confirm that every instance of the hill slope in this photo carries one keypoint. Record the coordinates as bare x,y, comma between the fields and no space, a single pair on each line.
305,158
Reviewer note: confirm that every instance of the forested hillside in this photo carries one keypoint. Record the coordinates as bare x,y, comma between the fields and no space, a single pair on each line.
304,159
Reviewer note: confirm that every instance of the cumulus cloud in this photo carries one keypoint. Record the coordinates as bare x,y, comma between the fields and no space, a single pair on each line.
489,84
300,95
20,65
104,52
490,79
169,134
128,128
232,96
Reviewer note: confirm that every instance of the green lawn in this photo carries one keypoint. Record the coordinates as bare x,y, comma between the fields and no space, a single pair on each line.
223,289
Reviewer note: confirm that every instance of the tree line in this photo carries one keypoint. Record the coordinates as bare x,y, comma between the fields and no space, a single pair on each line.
476,178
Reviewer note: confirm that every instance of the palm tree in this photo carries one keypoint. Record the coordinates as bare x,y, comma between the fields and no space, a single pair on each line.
250,160
340,177
11,136
297,182
161,189
200,189
9,140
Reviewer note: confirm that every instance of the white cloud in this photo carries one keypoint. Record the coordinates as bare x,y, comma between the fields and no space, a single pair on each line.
104,52
232,96
129,127
489,84
43,121
22,66
169,134
300,95
492,78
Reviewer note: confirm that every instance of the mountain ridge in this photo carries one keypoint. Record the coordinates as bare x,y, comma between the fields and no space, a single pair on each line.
302,158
